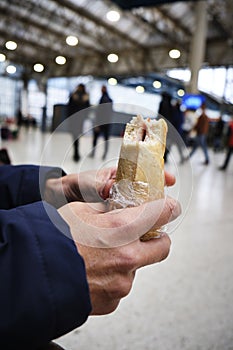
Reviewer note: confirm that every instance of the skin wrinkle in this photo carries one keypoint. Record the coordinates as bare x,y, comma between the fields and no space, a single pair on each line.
115,286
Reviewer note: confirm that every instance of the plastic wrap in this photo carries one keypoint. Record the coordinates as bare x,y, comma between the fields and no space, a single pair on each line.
125,194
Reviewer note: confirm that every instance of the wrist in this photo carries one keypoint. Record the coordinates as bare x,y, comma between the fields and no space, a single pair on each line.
53,193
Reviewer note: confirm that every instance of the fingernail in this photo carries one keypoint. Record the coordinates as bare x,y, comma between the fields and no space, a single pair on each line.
175,208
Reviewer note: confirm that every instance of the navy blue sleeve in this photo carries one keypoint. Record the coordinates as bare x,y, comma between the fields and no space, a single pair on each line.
43,288
24,184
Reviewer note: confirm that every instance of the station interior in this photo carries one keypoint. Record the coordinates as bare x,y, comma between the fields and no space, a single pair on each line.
140,51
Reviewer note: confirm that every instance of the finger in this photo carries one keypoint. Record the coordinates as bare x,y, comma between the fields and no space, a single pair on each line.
106,189
106,179
113,171
154,250
158,212
137,254
170,179
122,226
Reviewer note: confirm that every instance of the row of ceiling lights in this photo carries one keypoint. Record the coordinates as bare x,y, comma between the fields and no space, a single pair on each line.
140,88
61,60
111,81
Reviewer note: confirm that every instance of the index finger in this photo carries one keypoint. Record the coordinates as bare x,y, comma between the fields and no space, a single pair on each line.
147,253
170,179
123,226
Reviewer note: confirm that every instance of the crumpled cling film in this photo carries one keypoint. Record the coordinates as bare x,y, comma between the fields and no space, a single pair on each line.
125,194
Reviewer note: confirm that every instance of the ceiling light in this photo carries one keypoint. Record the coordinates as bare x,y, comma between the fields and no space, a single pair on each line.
11,69
2,57
140,89
113,16
38,67
112,57
174,53
157,84
72,40
60,60
112,81
11,45
180,92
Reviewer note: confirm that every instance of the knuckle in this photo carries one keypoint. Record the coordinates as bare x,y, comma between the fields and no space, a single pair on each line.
122,287
127,259
116,220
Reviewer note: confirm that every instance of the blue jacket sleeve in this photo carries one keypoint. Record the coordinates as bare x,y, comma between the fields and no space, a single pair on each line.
24,184
43,289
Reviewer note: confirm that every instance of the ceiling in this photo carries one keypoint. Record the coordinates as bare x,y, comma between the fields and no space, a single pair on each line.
141,38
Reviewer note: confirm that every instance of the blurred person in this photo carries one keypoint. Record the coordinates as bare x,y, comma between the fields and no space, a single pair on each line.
218,134
166,110
177,122
201,128
79,100
4,157
178,117
19,118
190,120
51,282
230,146
102,121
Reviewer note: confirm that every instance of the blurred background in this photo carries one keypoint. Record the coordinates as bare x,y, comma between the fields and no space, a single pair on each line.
138,48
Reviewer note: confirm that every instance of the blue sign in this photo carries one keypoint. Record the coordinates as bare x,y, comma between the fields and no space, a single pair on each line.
191,101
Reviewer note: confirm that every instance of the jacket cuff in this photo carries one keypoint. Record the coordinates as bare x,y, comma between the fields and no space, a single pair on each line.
33,182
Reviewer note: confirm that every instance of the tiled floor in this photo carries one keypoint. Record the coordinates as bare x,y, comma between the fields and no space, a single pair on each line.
185,302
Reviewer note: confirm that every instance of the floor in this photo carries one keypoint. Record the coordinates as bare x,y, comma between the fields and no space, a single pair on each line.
185,302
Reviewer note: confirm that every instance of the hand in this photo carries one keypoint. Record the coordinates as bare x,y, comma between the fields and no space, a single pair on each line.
88,186
110,245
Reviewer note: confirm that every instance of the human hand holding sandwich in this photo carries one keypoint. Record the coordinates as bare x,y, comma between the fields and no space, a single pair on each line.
110,243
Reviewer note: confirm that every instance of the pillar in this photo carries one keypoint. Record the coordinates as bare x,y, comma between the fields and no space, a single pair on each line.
43,86
23,106
198,44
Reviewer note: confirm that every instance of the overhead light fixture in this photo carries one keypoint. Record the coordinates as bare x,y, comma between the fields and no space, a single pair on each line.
11,69
11,45
180,92
60,60
174,53
2,57
112,81
157,84
113,16
38,67
72,40
140,89
113,58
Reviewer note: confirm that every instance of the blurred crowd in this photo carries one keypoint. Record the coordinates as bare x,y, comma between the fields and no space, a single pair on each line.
187,128
196,130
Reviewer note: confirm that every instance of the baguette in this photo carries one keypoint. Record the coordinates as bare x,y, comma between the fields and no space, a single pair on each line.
140,171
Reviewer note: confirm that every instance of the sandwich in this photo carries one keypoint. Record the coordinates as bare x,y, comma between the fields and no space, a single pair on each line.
140,171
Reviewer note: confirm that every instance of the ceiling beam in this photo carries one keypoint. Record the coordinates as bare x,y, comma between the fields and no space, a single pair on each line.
26,21
97,20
